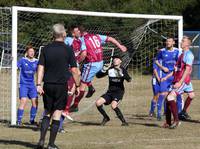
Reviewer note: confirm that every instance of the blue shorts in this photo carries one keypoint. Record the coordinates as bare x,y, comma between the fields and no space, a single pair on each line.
27,91
165,85
184,88
155,86
90,70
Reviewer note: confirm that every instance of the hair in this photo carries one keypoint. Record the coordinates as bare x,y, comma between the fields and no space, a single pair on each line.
58,30
82,28
188,38
73,27
29,46
170,37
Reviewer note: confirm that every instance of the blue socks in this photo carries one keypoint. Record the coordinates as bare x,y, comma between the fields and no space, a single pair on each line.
33,113
153,106
179,103
159,105
62,118
20,113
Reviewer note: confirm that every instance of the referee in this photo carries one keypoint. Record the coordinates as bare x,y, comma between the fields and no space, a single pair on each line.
53,71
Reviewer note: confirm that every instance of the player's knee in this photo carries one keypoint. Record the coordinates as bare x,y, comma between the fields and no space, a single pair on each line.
170,97
98,102
192,95
114,105
34,103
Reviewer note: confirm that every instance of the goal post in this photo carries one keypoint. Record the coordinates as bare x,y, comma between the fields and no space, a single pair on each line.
16,10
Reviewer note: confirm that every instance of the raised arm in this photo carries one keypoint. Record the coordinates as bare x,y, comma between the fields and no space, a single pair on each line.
115,42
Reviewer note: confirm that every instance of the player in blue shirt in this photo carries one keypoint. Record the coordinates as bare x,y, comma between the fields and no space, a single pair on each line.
157,75
27,89
169,56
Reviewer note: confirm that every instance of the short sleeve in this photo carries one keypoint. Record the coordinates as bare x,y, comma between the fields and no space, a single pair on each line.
103,39
68,41
154,64
42,57
83,46
19,63
72,60
189,58
159,55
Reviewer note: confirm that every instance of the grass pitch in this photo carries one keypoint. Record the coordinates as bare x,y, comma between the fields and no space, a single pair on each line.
142,133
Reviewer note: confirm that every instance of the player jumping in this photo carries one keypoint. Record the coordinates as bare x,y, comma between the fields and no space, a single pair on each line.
93,60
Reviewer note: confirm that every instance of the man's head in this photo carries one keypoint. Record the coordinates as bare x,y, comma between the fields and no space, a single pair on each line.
185,43
169,42
30,52
59,31
117,61
82,29
75,31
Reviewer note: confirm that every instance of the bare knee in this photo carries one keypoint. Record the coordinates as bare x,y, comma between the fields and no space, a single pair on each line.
100,102
22,103
171,96
114,105
191,95
56,115
34,102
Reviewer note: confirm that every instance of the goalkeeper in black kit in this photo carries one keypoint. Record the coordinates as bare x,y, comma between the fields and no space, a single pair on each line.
116,74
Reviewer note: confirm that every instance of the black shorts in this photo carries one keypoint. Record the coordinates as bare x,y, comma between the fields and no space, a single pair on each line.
110,96
55,97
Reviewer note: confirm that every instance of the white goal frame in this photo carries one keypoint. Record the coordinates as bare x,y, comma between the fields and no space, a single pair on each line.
16,9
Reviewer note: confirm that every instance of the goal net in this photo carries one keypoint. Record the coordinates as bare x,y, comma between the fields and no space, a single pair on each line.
141,34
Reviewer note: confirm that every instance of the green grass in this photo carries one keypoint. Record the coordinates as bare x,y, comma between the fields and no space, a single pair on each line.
143,132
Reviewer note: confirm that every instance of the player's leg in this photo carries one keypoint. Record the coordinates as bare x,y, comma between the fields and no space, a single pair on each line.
161,98
54,128
48,104
118,112
167,124
164,89
23,95
20,111
33,110
32,93
91,90
59,103
156,90
74,107
99,105
84,80
190,92
96,67
172,105
179,103
71,92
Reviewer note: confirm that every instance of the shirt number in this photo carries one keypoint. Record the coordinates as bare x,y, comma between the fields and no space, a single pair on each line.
95,42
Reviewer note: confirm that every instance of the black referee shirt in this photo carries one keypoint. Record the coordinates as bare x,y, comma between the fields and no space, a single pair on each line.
56,57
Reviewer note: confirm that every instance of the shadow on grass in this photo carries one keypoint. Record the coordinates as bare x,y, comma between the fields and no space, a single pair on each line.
139,117
17,142
88,123
26,126
2,121
192,121
145,124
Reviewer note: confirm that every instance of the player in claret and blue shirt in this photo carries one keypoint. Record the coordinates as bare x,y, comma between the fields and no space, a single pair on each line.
27,89
169,56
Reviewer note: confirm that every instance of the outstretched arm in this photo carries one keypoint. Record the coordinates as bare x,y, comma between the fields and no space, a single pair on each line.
115,42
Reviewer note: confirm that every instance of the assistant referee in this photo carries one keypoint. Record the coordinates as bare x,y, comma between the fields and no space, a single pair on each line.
53,71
